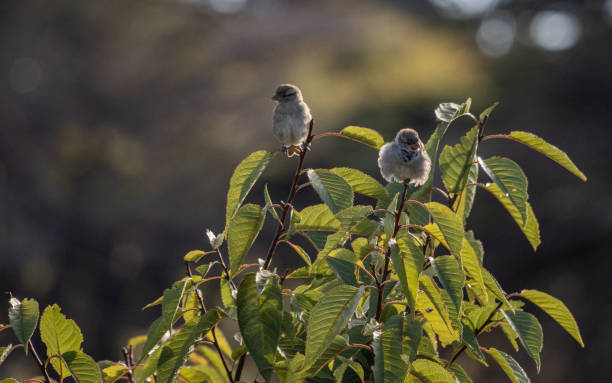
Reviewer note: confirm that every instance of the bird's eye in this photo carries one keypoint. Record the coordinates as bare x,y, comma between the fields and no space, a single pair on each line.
289,94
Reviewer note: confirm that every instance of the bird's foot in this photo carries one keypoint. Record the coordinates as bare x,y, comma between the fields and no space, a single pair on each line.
305,147
294,150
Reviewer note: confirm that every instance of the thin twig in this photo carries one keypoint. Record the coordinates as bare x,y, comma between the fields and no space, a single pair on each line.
216,342
225,268
240,367
127,357
39,362
396,227
281,226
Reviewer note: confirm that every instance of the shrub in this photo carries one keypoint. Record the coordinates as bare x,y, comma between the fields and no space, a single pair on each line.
392,287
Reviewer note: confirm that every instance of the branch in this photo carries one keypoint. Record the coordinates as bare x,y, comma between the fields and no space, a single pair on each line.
294,186
127,356
39,362
396,227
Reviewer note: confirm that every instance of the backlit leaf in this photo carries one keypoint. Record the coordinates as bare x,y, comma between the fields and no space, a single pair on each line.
333,190
366,136
557,310
244,177
60,335
529,332
23,316
242,232
426,371
510,366
530,228
450,225
362,183
456,161
82,367
510,179
259,319
538,144
328,317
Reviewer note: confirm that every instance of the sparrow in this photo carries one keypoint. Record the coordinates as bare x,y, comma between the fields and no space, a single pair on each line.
405,159
290,119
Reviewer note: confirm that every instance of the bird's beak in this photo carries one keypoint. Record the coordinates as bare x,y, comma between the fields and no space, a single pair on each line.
275,98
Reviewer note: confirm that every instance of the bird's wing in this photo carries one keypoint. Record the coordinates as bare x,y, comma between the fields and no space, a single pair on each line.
408,155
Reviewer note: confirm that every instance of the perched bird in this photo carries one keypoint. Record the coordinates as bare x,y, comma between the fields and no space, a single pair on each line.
404,159
290,119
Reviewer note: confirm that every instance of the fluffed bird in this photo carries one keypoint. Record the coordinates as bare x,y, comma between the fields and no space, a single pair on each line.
405,159
290,119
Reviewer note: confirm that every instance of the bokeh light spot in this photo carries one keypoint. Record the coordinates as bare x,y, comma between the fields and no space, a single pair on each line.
227,6
464,8
555,30
496,33
607,9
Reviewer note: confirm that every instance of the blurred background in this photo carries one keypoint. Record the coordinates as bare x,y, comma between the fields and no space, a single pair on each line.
121,123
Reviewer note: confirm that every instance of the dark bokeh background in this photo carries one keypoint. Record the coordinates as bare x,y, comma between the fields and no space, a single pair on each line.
122,121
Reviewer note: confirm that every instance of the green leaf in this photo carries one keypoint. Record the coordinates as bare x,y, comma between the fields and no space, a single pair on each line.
469,338
452,278
450,225
82,367
4,353
9,380
300,251
337,345
194,256
456,161
23,316
174,352
366,136
464,203
332,189
449,111
59,335
510,366
245,175
389,367
529,332
329,317
538,144
205,268
259,319
494,287
195,374
317,218
471,265
487,112
269,203
407,261
343,262
426,371
242,232
350,219
557,310
511,180
113,373
530,228
430,304
362,183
